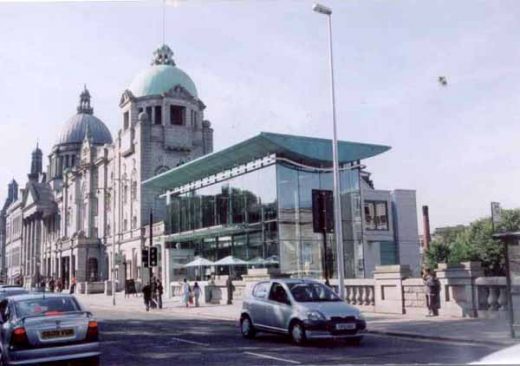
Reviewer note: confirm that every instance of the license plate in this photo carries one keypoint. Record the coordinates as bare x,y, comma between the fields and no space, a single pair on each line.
57,333
345,326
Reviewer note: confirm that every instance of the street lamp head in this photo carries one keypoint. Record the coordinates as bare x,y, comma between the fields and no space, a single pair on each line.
318,8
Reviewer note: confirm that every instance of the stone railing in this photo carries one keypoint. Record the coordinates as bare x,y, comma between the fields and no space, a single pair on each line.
360,293
491,295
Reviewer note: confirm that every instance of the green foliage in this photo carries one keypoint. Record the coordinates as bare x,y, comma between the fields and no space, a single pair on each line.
473,243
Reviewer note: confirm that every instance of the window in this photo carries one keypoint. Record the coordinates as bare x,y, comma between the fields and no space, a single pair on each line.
260,290
134,190
126,119
278,294
376,215
134,222
177,115
149,112
158,115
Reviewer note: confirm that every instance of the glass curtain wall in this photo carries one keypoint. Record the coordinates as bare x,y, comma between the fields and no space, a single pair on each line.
302,251
266,216
235,217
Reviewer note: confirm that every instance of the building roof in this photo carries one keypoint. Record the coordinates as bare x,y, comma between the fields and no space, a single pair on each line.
306,150
82,123
161,77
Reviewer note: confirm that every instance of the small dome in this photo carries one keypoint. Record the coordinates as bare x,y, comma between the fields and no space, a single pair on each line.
75,130
161,77
83,123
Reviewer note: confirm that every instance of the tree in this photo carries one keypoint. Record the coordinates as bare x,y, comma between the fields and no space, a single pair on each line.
473,243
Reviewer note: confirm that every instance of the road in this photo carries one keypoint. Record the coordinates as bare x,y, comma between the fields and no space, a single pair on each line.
131,338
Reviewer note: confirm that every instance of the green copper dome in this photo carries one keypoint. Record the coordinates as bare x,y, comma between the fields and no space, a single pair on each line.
162,76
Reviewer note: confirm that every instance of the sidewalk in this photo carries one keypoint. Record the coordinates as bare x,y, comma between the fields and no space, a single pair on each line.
479,331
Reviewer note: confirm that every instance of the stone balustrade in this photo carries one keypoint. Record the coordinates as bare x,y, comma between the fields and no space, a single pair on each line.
491,297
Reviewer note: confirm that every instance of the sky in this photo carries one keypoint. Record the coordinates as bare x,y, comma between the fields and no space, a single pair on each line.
263,66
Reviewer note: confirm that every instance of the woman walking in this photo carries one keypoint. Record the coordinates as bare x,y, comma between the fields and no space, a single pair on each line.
186,292
196,293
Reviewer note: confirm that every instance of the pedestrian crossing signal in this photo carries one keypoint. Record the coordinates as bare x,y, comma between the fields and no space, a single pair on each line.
153,256
144,258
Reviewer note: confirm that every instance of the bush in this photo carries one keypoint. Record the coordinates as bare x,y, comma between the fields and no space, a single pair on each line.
473,243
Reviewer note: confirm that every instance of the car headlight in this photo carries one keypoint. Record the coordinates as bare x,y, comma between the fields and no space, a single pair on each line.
315,315
360,316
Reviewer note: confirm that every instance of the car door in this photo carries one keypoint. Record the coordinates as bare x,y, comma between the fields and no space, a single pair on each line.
258,306
280,308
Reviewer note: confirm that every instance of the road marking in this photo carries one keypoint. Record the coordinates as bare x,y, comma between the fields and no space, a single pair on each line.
273,358
190,342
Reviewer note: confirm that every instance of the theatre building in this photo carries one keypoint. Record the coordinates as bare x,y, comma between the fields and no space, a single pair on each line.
254,201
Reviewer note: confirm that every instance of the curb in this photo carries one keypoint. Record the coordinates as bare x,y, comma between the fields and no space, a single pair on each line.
439,338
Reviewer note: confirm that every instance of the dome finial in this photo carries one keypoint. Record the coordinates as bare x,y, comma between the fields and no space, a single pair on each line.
163,56
84,102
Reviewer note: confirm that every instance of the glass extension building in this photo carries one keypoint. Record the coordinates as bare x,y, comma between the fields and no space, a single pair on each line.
254,201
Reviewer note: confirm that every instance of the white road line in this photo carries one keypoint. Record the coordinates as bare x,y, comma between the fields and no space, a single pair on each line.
273,358
190,342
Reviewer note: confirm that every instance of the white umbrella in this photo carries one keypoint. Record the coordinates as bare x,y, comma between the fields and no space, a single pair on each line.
257,261
199,262
230,261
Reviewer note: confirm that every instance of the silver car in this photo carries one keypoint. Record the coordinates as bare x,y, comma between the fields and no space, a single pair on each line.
41,328
304,309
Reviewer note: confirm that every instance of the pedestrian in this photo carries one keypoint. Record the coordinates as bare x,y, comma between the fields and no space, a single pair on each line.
160,289
73,285
59,285
433,288
147,296
186,292
52,284
196,293
153,291
230,288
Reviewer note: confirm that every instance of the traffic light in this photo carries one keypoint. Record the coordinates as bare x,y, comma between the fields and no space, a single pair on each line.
153,256
322,211
144,257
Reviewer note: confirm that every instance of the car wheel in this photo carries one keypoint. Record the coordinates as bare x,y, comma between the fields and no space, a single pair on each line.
297,332
355,341
246,327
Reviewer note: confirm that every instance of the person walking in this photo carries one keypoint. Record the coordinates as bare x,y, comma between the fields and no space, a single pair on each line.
52,284
160,289
73,285
433,288
196,293
186,292
230,288
147,296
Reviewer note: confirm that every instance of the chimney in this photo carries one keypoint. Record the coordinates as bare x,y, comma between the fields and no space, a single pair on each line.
426,227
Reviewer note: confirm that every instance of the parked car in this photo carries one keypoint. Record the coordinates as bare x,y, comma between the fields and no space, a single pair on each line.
303,309
43,328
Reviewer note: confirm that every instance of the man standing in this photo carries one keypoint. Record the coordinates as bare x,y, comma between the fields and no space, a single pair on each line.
230,289
147,296
159,287
433,288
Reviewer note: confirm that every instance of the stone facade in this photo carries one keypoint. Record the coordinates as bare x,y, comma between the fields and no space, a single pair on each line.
89,203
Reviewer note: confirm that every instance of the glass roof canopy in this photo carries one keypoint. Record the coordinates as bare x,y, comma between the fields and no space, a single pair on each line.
305,150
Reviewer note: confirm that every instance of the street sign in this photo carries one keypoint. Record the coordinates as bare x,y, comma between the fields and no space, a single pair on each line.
496,214
153,257
144,257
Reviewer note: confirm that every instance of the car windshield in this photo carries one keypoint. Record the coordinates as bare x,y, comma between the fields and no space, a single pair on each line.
45,306
312,292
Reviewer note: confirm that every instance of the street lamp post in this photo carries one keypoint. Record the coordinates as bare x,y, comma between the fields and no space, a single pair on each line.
338,227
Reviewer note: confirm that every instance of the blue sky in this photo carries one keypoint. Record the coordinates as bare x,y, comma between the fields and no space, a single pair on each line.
262,66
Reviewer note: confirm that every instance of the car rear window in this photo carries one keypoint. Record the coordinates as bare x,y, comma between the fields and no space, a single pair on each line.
45,306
